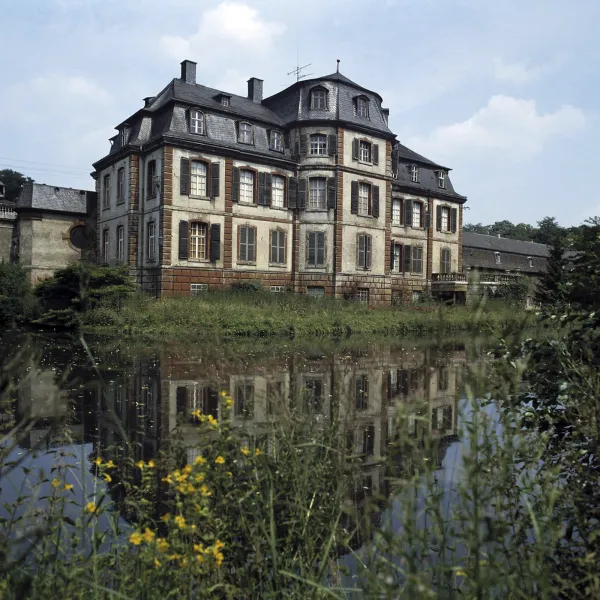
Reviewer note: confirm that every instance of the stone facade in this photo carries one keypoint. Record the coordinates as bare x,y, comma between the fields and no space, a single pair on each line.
298,191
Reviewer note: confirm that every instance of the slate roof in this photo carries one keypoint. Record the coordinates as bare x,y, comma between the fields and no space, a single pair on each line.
507,245
40,196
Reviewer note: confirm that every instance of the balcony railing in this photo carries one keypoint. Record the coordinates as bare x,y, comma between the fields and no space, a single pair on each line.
7,213
439,277
477,277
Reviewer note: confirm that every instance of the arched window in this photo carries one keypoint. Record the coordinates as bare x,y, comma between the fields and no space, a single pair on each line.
318,98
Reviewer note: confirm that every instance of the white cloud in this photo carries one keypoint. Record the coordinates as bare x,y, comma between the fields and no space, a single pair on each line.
232,22
506,125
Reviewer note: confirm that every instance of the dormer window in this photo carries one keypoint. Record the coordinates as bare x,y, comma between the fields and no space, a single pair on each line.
530,261
225,100
318,99
277,141
362,107
414,173
124,136
196,122
245,133
441,180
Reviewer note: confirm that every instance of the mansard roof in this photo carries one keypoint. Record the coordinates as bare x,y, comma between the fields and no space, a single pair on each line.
501,244
42,197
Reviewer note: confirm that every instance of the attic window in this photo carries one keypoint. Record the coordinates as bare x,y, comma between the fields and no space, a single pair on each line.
197,122
530,260
245,133
362,107
225,100
414,173
497,256
318,99
124,136
441,179
276,141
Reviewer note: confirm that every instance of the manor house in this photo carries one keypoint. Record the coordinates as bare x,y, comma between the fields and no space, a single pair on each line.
307,190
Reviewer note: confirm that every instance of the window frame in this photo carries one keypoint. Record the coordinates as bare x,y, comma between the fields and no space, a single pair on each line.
322,140
150,187
106,192
206,225
418,204
121,186
401,215
206,164
275,134
253,173
199,119
283,191
324,195
316,264
362,102
442,180
446,265
498,258
398,266
151,247
120,243
106,245
225,100
369,186
247,397
367,252
369,151
325,98
280,247
251,133
446,211
361,394
414,173
246,245
416,261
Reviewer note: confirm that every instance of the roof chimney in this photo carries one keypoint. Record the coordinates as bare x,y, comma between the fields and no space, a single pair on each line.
255,89
188,71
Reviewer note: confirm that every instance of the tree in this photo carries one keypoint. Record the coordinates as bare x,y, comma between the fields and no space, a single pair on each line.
550,288
548,228
13,182
476,228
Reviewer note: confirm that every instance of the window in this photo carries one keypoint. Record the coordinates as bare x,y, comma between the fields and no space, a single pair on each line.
362,108
313,387
318,144
247,244
151,237
530,261
414,174
445,218
362,295
315,291
416,217
120,186
446,260
278,289
417,259
278,192
396,212
368,440
245,133
121,243
315,249
364,252
105,245
441,179
397,258
277,141
225,100
361,385
196,122
244,400
198,240
198,288
317,193
318,99
247,186
364,199
198,176
364,151
151,188
442,379
497,256
278,247
106,192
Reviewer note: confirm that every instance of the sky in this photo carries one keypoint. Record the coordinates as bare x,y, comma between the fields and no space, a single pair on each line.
506,92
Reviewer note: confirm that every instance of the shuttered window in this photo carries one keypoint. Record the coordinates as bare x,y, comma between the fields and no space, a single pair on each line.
397,258
277,247
446,260
364,252
417,259
318,144
246,186
151,240
364,199
417,208
396,212
247,244
317,193
120,243
364,151
278,192
361,384
198,178
445,218
315,251
198,240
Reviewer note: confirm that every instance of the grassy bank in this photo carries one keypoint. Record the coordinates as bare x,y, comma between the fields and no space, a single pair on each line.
269,315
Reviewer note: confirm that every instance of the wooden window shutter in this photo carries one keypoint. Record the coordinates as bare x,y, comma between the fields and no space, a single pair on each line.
332,144
215,173
392,248
183,240
441,260
454,220
438,218
408,220
261,189
407,258
354,198
235,184
303,144
375,153
301,199
268,188
375,200
331,193
184,177
422,206
215,242
255,186
355,149
292,192
427,219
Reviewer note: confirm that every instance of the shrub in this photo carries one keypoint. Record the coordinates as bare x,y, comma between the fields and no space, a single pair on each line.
16,300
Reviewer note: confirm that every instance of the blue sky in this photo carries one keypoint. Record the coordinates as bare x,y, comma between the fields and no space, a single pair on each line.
505,93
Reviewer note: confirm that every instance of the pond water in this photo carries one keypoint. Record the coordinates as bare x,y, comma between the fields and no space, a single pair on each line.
109,391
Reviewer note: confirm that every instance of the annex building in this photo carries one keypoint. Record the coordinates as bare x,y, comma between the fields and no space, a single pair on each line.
307,190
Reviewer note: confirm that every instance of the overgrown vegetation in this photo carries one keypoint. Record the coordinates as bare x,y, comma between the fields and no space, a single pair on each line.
17,302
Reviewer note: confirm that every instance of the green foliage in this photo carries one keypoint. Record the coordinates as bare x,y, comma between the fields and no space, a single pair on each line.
247,286
16,300
514,292
547,229
13,181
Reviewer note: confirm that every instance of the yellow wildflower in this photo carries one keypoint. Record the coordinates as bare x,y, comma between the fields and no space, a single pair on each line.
136,538
229,401
98,461
223,394
212,421
187,469
156,562
179,476
140,464
219,545
229,474
68,487
199,478
107,477
148,535
161,544
200,460
199,548
184,561
55,483
245,451
199,558
205,491
91,507
460,573
258,452
151,464
181,488
110,464
168,479
219,460
197,414
218,558
180,521
165,518
174,556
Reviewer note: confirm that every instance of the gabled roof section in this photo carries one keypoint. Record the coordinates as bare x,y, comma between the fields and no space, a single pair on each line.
40,196
500,244
410,155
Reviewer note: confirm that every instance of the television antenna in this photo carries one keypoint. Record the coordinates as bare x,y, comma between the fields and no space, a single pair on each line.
298,72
